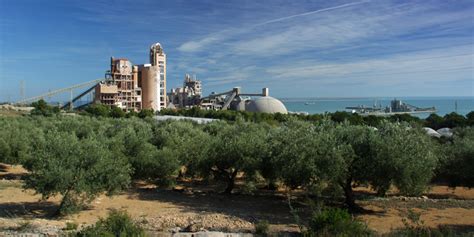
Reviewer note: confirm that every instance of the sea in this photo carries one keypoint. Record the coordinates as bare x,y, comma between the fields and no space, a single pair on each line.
443,105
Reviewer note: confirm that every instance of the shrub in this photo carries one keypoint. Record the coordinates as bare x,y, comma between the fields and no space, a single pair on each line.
144,113
42,108
98,110
71,226
415,227
457,168
336,222
116,112
118,223
261,228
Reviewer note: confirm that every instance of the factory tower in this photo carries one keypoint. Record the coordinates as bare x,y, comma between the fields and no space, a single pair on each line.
135,87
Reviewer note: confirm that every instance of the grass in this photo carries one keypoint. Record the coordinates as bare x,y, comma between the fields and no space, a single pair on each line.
4,184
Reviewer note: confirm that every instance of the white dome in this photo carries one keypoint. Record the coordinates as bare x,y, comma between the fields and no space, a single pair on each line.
445,132
266,104
431,132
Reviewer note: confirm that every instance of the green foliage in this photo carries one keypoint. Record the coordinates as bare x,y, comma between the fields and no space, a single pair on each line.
98,110
470,118
42,108
79,170
116,112
131,114
434,121
415,227
189,143
80,157
261,228
117,224
71,226
405,118
336,222
155,164
338,117
302,154
356,143
19,138
236,148
144,113
457,168
404,157
453,120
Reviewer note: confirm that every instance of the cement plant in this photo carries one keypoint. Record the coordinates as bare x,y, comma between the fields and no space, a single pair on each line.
136,87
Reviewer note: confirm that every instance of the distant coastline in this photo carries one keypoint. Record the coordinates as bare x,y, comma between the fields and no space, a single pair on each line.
318,105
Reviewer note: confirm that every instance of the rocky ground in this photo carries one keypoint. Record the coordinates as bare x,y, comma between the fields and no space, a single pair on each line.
191,207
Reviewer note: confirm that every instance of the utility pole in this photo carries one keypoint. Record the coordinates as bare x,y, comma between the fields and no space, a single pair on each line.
71,106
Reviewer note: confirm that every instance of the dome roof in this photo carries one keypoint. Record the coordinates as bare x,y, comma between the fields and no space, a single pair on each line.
266,104
446,132
431,132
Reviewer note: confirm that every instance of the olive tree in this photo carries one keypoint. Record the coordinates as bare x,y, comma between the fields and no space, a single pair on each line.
134,137
79,170
19,138
303,154
357,152
458,166
404,157
188,142
235,148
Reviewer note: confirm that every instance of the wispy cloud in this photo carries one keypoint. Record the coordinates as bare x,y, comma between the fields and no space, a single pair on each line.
373,43
310,13
294,47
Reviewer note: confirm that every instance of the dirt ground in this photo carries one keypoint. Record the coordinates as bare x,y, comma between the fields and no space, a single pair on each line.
162,210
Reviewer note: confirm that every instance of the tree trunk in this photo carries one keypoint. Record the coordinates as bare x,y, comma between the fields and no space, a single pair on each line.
65,199
230,183
349,194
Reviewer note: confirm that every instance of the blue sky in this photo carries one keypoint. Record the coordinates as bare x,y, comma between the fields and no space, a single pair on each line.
296,48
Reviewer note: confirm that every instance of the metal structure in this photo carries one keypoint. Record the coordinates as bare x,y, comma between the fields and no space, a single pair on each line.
232,94
63,90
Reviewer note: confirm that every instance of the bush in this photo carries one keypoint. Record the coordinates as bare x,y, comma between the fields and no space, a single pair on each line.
336,222
144,113
98,110
457,168
415,227
42,108
116,112
71,226
118,223
453,120
261,228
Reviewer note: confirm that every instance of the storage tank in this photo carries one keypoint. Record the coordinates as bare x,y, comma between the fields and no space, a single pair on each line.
150,79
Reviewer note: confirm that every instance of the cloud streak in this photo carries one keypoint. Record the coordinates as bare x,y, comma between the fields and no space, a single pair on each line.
309,13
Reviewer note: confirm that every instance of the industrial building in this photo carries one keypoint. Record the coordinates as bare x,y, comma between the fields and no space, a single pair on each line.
187,96
234,100
135,87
